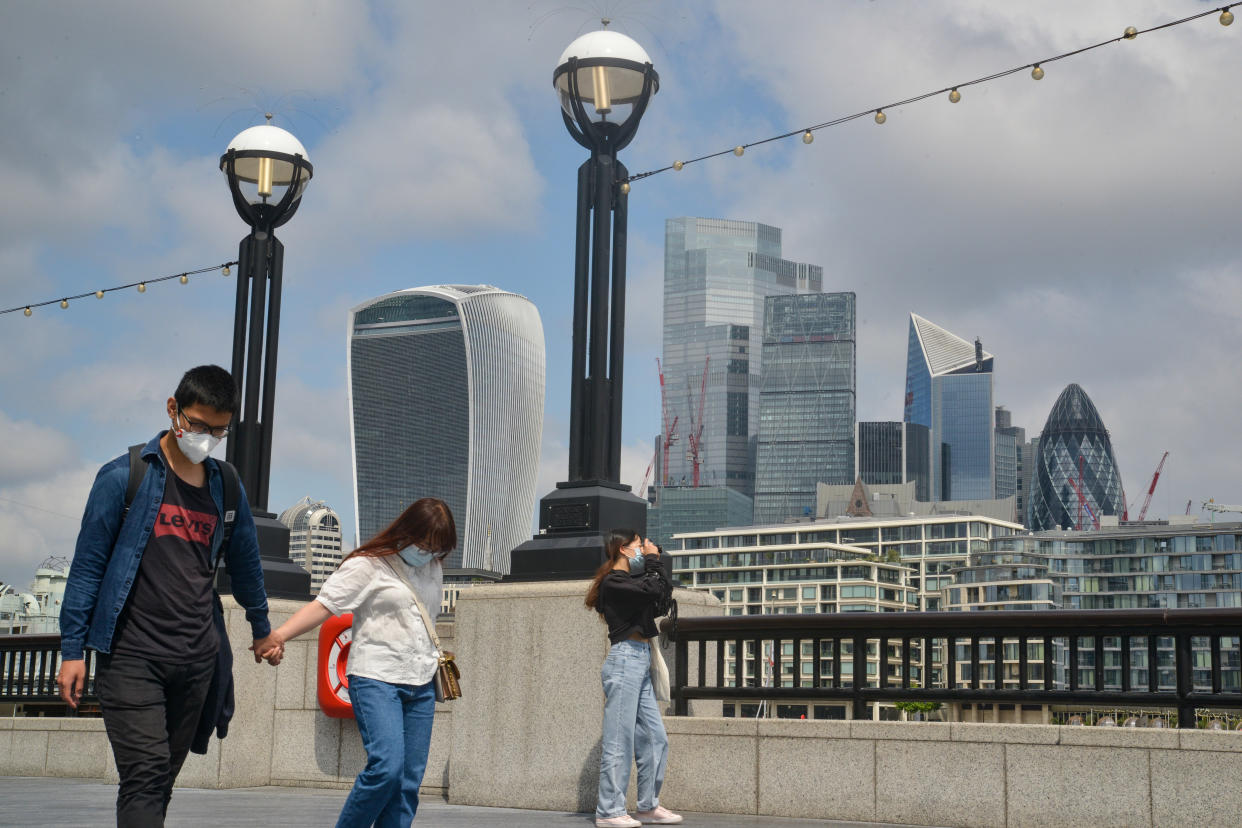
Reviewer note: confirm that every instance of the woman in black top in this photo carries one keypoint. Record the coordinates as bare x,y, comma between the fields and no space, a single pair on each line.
625,591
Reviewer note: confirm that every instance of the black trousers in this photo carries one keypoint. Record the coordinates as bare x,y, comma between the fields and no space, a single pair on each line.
150,710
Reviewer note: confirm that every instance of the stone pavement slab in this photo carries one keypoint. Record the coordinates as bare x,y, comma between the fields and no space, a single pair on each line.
82,803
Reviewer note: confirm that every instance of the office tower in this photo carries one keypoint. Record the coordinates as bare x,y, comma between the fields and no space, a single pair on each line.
314,539
893,452
949,390
806,402
1010,440
687,509
446,388
716,276
1026,479
1076,477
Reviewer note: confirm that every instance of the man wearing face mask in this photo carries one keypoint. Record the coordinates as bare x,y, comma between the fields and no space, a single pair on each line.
140,593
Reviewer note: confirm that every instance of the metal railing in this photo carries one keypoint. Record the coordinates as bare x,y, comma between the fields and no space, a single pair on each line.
1080,657
28,667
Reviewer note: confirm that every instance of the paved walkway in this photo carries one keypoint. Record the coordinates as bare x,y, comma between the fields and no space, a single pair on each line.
80,803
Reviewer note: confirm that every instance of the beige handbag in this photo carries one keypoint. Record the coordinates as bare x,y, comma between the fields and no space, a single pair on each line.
448,677
659,671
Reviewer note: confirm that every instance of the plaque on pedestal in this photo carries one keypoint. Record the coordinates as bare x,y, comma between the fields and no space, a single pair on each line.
572,523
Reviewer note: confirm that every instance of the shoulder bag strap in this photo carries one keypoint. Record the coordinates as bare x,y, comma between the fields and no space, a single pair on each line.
431,628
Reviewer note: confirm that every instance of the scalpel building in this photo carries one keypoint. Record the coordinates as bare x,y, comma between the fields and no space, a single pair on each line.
446,387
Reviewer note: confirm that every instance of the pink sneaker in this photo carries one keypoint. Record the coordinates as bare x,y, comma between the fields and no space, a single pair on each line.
623,821
659,816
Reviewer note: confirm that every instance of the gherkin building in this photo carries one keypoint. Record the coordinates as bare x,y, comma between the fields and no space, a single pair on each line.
1074,454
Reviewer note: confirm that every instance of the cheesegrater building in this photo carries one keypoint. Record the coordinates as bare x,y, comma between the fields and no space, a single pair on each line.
446,387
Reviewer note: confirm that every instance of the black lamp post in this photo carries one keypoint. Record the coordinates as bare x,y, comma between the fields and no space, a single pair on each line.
259,162
604,80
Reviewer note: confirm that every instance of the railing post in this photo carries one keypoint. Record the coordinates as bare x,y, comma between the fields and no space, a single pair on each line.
680,706
860,675
1185,681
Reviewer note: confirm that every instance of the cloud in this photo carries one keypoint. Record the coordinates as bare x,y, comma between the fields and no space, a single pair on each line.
39,519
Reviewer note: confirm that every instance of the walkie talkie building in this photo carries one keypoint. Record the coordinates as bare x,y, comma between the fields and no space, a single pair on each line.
446,387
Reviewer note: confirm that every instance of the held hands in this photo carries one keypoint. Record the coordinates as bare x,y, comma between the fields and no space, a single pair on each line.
71,680
270,649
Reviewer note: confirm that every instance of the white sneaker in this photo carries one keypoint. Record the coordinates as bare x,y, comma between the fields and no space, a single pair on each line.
658,816
623,821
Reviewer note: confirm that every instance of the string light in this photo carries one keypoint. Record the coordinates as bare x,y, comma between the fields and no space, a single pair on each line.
625,187
955,95
184,277
738,150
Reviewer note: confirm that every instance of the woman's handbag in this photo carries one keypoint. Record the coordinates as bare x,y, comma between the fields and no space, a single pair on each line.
659,671
448,677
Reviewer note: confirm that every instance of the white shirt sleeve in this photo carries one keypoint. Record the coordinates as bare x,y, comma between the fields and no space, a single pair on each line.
346,588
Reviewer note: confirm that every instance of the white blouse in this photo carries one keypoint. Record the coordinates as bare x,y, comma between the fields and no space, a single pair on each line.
390,641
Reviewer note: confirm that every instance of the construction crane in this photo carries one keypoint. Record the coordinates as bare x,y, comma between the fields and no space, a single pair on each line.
642,489
1155,477
1082,503
1214,507
1188,502
693,453
670,429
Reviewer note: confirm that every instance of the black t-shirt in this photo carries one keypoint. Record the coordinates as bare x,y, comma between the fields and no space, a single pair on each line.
628,602
168,616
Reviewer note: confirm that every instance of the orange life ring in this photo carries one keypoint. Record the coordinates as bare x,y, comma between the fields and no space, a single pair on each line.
333,686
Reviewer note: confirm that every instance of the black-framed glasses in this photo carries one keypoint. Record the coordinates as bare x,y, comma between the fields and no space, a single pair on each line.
199,427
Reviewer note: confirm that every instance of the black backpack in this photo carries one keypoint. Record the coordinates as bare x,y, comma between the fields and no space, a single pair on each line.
232,492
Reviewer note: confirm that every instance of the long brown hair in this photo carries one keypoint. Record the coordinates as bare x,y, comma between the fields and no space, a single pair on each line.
427,524
616,539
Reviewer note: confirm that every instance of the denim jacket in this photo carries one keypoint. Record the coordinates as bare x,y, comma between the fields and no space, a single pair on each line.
105,561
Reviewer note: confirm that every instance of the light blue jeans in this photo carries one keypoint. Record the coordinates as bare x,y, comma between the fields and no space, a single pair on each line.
395,723
632,728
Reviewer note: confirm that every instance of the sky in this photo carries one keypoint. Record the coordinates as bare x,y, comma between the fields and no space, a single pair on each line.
1082,225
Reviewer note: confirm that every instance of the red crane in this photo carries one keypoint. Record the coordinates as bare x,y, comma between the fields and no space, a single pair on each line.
669,429
696,425
1082,499
1152,487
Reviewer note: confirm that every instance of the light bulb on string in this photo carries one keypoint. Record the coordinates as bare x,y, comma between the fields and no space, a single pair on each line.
1226,17
142,287
880,117
738,150
64,303
224,271
677,165
1038,72
28,311
99,294
1130,33
185,280
807,137
625,187
954,96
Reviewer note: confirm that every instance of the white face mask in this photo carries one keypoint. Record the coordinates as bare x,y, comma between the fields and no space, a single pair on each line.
195,447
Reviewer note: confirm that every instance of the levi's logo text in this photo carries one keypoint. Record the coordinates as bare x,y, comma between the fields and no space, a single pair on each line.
186,524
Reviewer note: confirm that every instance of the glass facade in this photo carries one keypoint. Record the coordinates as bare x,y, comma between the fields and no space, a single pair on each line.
1075,454
893,453
446,400
717,273
687,509
806,402
949,390
314,539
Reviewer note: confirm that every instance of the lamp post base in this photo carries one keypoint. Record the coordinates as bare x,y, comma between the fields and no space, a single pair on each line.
572,520
282,578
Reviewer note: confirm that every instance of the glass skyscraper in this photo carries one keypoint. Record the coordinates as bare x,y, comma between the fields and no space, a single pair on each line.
806,402
1074,454
891,453
949,390
446,387
314,539
716,275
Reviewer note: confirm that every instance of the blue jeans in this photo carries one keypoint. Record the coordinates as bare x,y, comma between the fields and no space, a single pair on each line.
632,728
395,723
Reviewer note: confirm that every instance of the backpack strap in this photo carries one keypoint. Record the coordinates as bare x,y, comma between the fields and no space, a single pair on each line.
137,471
232,496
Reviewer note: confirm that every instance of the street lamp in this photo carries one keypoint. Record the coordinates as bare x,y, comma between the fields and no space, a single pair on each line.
267,171
604,81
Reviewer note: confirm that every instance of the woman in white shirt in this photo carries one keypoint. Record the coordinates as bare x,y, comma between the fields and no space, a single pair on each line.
392,662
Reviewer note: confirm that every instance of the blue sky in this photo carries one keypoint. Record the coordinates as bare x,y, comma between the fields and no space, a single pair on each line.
1083,225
